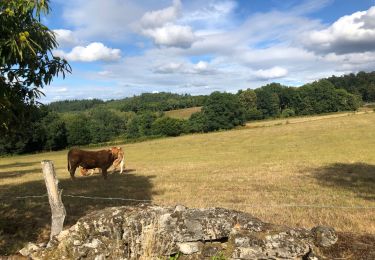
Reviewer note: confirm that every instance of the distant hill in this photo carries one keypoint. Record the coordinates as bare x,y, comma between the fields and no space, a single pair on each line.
361,84
145,102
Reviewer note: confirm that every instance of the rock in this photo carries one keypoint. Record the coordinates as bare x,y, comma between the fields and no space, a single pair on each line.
324,236
188,248
62,235
153,232
29,249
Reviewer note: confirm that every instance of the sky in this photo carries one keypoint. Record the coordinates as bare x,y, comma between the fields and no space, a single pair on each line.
122,48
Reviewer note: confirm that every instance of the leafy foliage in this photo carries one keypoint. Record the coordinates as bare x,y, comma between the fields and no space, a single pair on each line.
26,60
222,111
362,84
167,126
74,105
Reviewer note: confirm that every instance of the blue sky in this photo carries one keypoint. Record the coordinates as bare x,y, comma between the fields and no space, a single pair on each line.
121,48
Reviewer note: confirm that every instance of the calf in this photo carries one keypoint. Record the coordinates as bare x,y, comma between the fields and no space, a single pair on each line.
102,159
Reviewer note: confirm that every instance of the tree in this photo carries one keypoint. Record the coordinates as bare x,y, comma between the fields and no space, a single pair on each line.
104,124
26,60
196,122
78,130
268,102
55,132
28,137
222,111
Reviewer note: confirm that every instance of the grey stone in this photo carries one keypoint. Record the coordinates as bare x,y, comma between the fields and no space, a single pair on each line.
153,232
29,249
188,248
324,236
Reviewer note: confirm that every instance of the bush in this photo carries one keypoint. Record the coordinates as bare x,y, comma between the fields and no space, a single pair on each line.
196,122
254,114
168,126
288,112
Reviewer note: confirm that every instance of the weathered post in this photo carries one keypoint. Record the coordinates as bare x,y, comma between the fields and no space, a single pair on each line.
54,197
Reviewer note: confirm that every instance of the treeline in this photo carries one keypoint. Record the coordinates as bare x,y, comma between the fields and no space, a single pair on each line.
74,105
143,117
362,84
145,102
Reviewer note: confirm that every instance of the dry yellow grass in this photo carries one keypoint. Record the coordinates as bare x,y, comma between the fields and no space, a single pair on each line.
271,172
183,113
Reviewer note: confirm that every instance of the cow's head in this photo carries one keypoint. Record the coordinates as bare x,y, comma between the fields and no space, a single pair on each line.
118,154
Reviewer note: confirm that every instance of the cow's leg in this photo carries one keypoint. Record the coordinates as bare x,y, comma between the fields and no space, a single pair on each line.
122,165
104,173
72,171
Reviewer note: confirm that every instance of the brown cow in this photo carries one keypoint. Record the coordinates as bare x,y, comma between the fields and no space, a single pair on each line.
102,159
87,172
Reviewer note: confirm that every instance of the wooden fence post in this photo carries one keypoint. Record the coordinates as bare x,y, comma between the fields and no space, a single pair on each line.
54,197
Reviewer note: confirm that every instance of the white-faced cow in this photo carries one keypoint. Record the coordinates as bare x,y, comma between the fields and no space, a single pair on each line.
102,159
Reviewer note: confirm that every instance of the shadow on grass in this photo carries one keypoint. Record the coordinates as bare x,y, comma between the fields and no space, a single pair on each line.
17,173
29,219
358,178
19,164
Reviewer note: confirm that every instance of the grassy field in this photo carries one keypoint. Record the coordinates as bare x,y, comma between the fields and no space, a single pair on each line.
303,173
183,113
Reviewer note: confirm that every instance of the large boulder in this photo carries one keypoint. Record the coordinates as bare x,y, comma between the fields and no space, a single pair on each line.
153,232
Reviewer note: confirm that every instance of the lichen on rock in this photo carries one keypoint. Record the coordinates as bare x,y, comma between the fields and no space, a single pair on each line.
153,232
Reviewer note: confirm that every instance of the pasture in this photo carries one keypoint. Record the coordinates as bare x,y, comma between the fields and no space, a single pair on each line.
306,173
184,113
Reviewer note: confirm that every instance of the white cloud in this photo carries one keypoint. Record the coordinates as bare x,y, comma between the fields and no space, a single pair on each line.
158,18
95,19
172,35
214,11
202,46
57,90
272,73
171,67
202,67
65,38
350,33
160,27
93,52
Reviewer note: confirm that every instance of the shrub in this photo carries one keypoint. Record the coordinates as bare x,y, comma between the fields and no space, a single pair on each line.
196,122
288,112
254,114
168,126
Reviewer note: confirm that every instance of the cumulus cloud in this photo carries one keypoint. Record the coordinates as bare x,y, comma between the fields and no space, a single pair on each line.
349,34
272,73
65,38
229,51
172,35
93,52
160,17
159,25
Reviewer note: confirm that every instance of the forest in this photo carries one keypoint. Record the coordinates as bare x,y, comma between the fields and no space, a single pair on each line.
68,123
